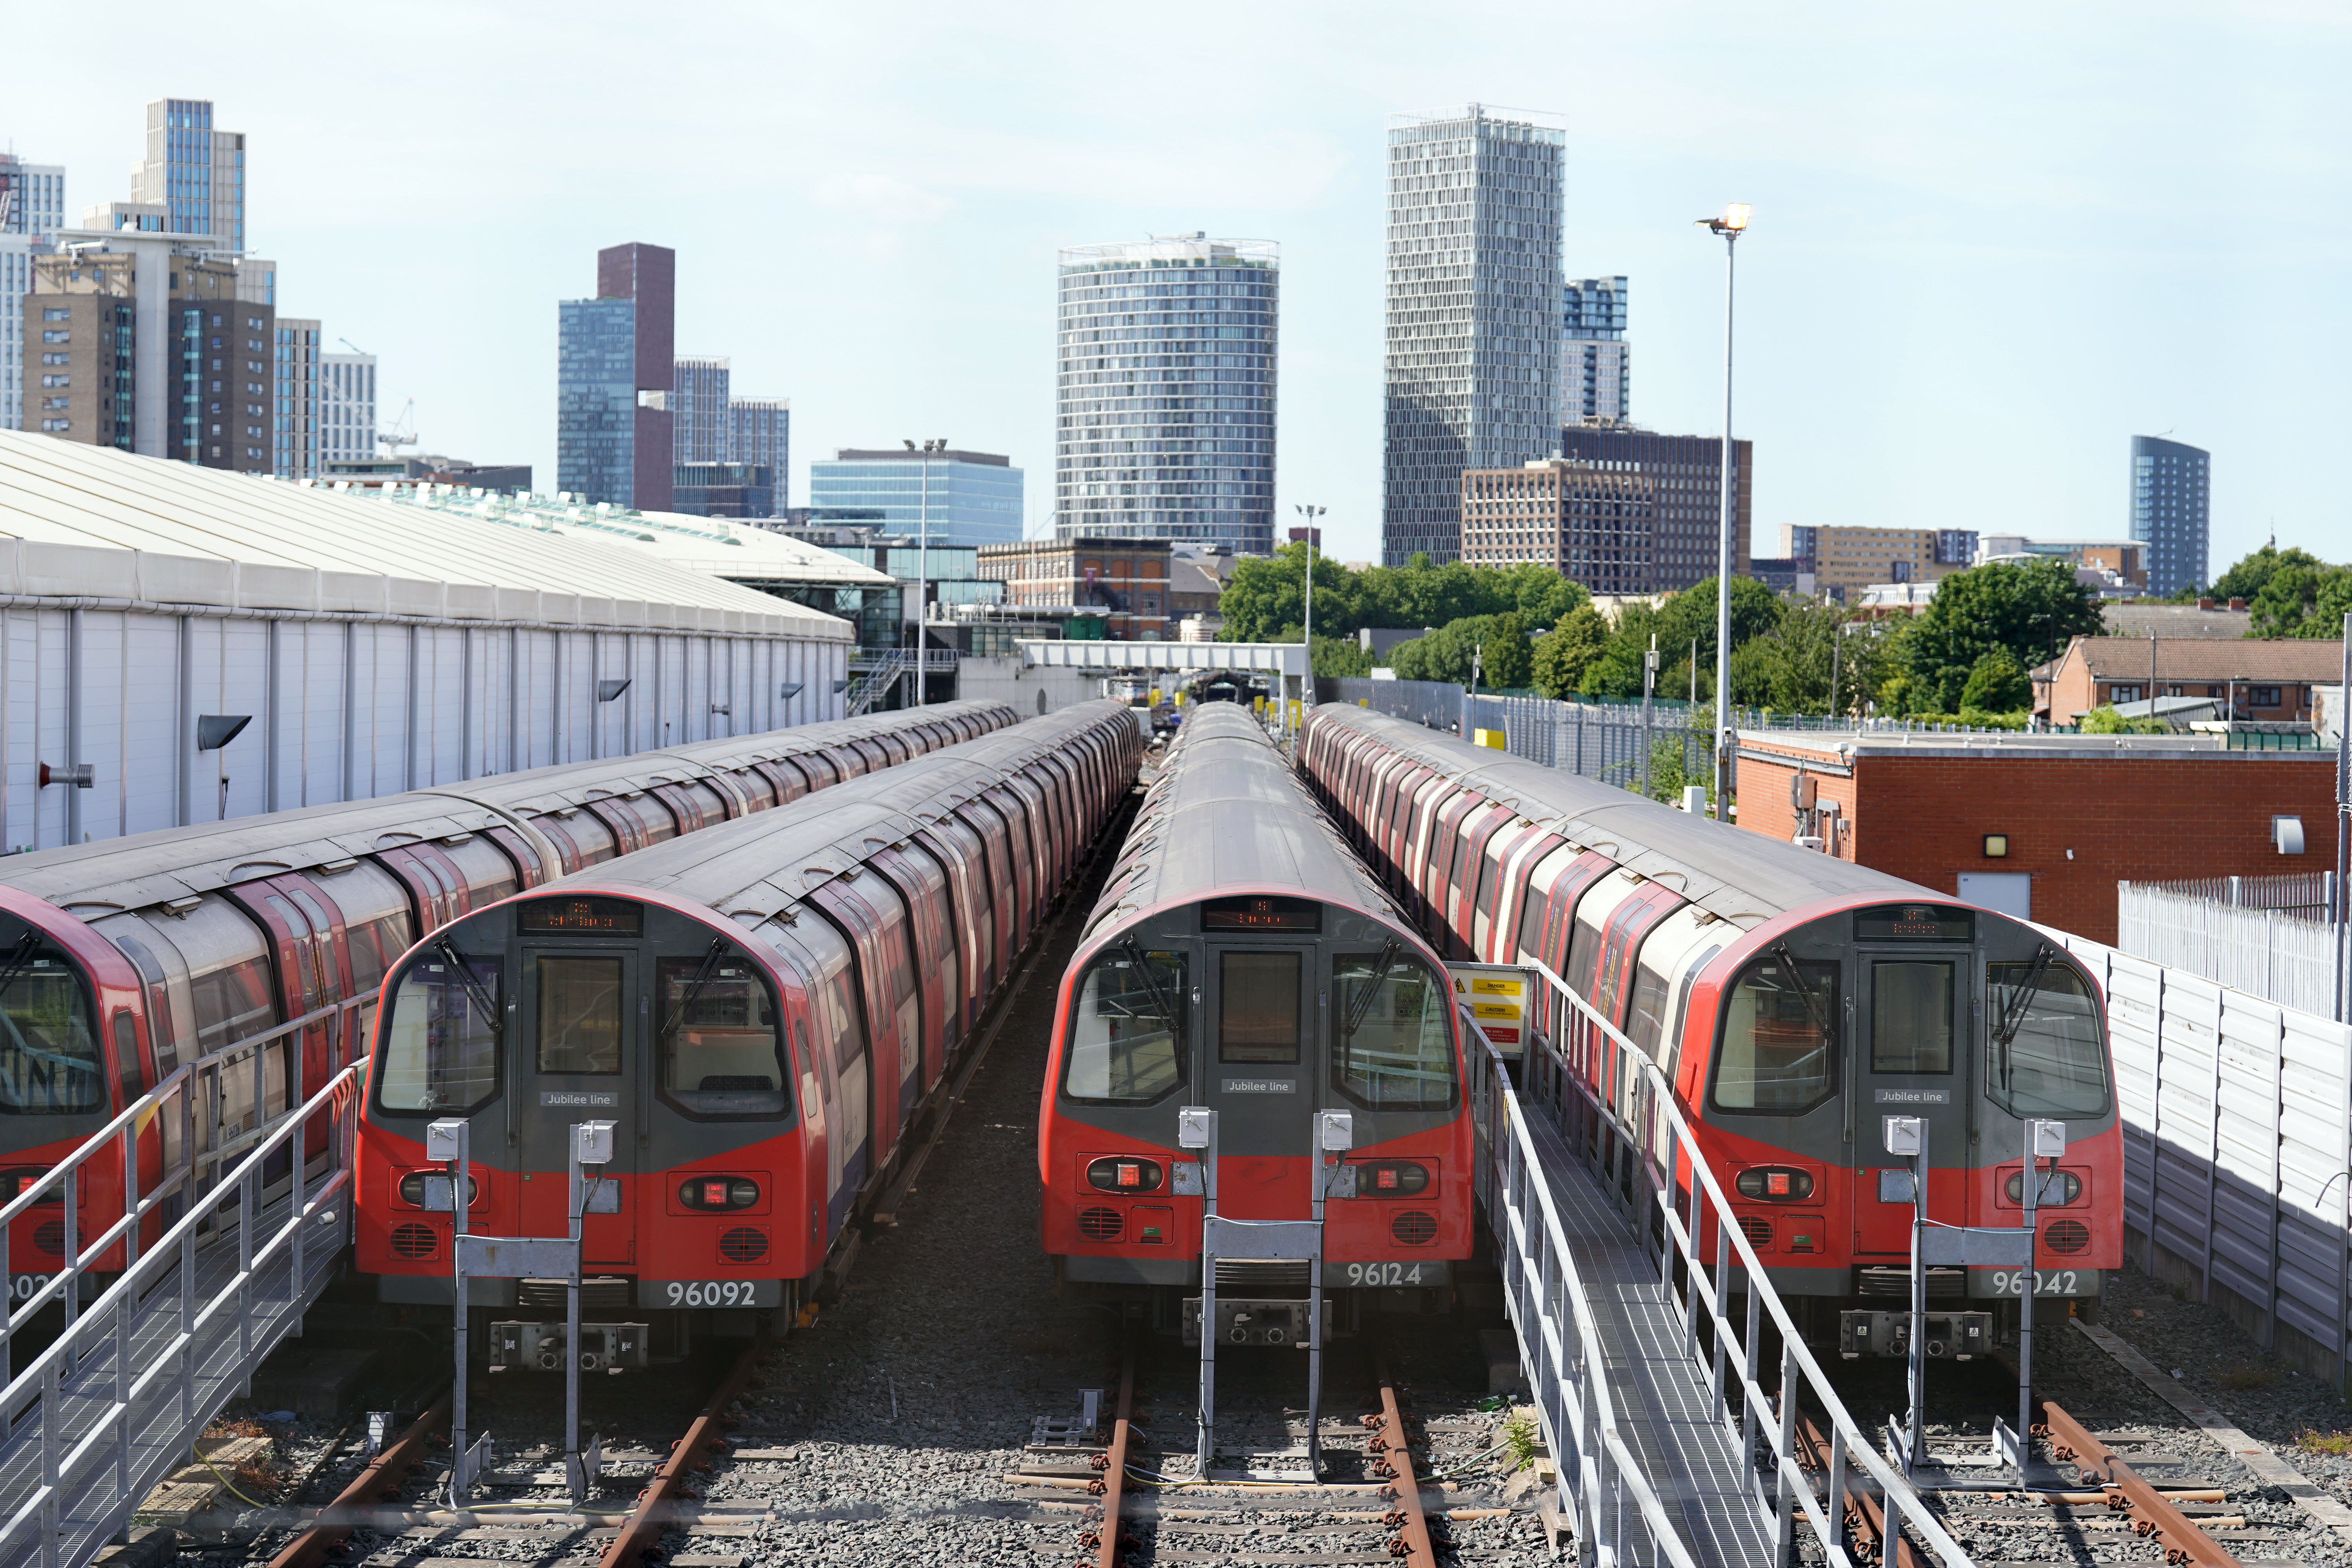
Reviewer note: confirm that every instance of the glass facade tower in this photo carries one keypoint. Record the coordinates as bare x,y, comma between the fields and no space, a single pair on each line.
2170,488
970,498
1473,313
32,210
596,400
698,406
346,407
1595,368
1164,388
196,172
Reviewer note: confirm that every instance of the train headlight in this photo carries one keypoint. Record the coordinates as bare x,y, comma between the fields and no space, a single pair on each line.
2058,1189
1114,1173
716,1194
430,1190
1775,1184
1390,1179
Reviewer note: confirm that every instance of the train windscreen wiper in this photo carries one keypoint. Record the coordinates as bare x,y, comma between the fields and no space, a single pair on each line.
1812,1004
693,992
475,994
1151,986
1360,1008
19,958
2012,1017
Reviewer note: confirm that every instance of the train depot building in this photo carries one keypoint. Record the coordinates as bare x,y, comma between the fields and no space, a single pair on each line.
2041,826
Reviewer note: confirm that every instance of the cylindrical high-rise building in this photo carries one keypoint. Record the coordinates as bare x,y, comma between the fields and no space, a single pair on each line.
1164,391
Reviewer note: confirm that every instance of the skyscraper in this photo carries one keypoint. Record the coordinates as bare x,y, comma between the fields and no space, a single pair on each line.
196,172
698,407
956,498
1474,303
346,407
295,399
760,432
2170,486
1593,353
1164,391
32,210
614,358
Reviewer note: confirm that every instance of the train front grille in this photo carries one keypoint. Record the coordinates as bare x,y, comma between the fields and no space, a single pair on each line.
598,1293
1943,1284
1262,1281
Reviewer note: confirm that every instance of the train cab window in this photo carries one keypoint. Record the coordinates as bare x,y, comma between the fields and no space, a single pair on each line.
1391,1050
1127,1032
1258,1008
2047,1058
441,1052
1779,1056
721,1052
50,1059
1911,1016
578,1014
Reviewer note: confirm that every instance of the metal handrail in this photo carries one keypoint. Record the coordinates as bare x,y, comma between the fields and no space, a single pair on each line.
1849,1442
178,1244
1597,1485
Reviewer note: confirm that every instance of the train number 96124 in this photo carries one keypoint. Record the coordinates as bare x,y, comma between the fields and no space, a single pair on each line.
1385,1274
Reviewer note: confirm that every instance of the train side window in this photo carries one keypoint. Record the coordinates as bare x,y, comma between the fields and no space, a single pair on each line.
377,924
1779,1055
1911,1016
1647,1025
126,1056
50,1058
721,1052
441,1052
1391,1051
1258,1008
578,1014
163,1023
228,975
2047,1057
1127,1032
1531,920
1679,1020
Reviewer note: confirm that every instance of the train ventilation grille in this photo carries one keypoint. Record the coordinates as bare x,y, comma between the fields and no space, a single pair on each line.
1100,1225
599,1294
1261,1279
2066,1238
743,1244
1414,1228
49,1237
1757,1229
1943,1284
415,1241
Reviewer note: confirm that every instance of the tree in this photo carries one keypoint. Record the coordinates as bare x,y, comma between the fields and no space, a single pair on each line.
2031,610
1564,653
2107,721
1997,685
2252,575
1496,645
2299,600
1268,594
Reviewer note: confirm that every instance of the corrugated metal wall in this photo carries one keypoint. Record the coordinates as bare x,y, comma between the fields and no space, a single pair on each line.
351,709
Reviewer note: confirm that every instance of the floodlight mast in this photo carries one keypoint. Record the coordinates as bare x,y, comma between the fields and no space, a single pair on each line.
1731,225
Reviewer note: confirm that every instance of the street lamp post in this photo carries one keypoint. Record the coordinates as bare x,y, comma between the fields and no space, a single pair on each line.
1732,226
923,568
1310,513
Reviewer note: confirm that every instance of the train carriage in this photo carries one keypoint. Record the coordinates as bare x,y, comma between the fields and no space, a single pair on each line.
1793,1000
1240,960
122,959
762,1010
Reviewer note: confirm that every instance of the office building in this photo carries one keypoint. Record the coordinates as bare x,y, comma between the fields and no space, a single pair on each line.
2170,489
698,408
1593,525
1126,577
346,407
193,172
295,399
951,497
614,359
1593,353
1685,515
1164,391
760,432
32,212
1474,299
724,489
1843,561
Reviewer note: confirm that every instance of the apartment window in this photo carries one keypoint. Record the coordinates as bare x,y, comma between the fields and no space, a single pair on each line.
2262,696
56,337
56,359
56,425
53,401
57,381
2123,694
57,315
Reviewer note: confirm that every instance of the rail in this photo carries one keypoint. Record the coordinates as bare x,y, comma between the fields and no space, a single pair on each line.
100,1414
1627,1108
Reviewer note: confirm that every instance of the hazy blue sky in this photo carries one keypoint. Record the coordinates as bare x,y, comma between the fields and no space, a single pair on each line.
1990,242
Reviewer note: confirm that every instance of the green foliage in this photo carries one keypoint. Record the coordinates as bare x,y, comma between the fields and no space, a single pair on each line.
1564,653
1686,620
1997,685
2107,721
1666,775
2299,600
1268,594
1496,645
1337,657
2252,575
1979,719
1521,1440
2030,610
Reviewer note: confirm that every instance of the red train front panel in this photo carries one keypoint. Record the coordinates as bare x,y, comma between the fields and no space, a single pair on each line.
1266,1007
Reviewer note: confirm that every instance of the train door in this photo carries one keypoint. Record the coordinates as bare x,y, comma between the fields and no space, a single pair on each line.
1909,1055
1259,1073
581,1011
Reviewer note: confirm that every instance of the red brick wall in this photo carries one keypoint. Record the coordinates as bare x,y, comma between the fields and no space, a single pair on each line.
1763,797
2125,819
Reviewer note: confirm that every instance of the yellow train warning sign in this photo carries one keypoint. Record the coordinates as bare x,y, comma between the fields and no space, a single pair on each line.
1496,996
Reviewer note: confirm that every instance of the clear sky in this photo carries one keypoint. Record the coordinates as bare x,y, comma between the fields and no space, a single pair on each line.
1991,242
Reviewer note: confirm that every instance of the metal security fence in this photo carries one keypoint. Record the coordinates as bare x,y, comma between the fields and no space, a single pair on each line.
2310,894
1619,745
1434,703
2270,949
2237,1119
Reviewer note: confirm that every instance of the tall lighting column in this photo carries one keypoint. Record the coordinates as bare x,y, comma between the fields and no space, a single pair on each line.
1732,226
1308,691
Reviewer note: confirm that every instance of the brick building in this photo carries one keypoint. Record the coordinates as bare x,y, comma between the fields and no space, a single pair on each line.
1128,577
2254,679
2040,825
1593,525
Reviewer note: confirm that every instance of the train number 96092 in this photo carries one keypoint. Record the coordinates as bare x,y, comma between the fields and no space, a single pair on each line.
712,1293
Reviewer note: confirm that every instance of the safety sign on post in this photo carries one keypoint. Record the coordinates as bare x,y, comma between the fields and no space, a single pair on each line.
1497,995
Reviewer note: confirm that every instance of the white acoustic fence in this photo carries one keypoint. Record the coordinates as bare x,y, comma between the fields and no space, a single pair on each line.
2271,941
2237,1119
103,708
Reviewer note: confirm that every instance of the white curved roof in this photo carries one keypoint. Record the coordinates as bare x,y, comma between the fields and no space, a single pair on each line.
91,521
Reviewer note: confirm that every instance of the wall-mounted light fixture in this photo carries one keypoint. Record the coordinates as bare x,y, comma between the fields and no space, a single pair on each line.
81,776
792,688
608,689
1996,845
